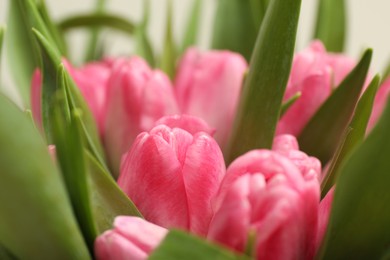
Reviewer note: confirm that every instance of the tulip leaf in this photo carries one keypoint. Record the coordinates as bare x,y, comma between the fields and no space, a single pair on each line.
51,62
289,103
107,199
236,25
322,134
359,226
192,27
70,155
353,136
98,19
5,254
36,220
2,31
97,196
143,46
22,52
58,38
191,248
331,24
262,94
92,47
168,58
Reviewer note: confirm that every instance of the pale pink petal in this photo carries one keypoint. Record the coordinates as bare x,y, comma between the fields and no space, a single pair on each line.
151,175
189,123
203,171
208,85
315,90
132,238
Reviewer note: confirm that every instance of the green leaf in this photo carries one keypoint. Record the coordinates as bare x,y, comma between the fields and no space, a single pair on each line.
264,87
359,226
192,27
98,19
36,220
143,47
50,85
50,61
236,25
107,199
386,72
331,24
22,52
70,155
322,134
179,245
5,254
353,136
168,58
58,38
289,103
92,48
2,31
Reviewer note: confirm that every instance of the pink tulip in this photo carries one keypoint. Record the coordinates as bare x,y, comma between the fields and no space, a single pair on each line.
287,145
208,85
379,103
172,176
36,97
137,96
323,216
189,123
92,82
132,238
315,73
265,193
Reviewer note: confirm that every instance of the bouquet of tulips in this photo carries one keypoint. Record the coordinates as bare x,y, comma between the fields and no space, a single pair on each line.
244,151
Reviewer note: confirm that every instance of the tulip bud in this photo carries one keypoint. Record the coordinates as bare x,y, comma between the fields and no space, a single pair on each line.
189,123
323,216
287,145
172,176
314,74
91,79
132,238
208,86
137,96
266,194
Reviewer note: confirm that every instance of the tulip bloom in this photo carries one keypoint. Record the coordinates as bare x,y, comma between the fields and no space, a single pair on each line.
287,145
314,74
208,86
137,96
266,194
172,176
92,82
132,238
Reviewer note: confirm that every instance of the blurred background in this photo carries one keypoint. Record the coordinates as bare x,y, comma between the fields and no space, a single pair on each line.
368,22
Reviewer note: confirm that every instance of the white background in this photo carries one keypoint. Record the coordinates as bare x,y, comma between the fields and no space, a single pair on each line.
368,25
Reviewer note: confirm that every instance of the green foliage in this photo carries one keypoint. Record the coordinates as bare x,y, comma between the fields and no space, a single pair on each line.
179,245
353,136
36,220
236,25
331,24
264,86
359,226
322,134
